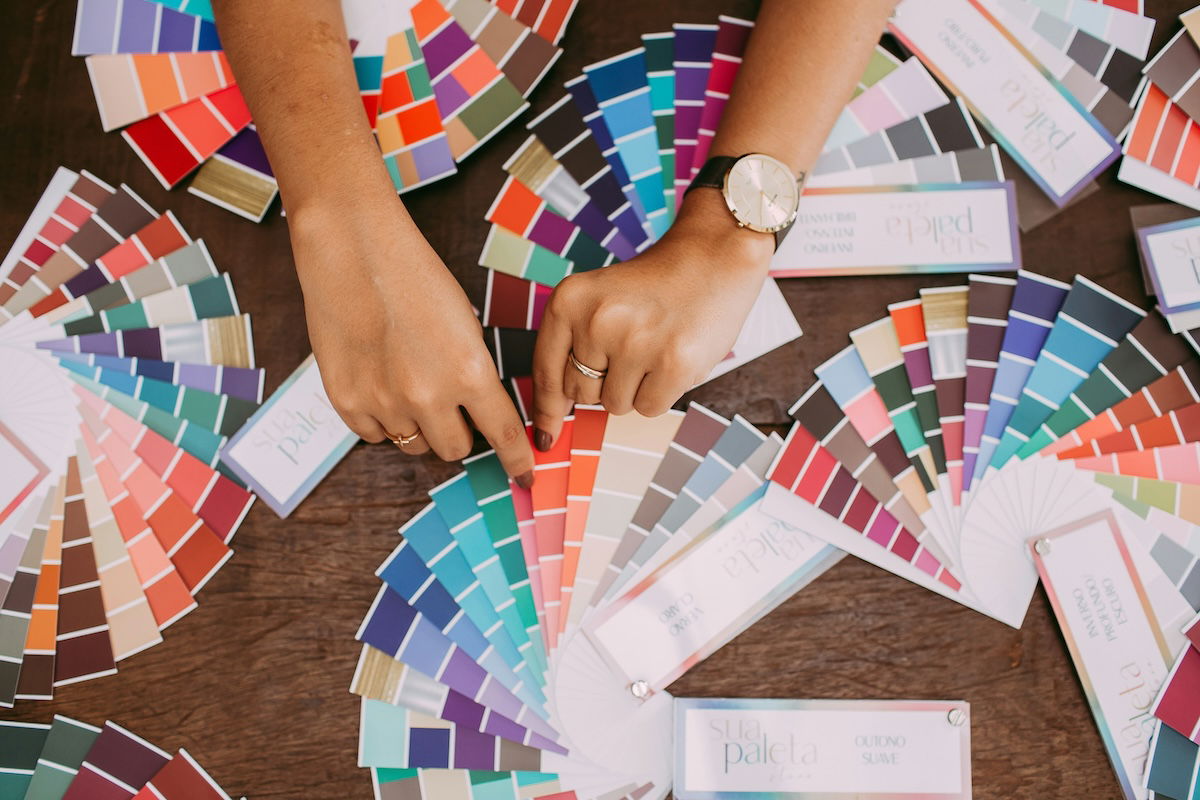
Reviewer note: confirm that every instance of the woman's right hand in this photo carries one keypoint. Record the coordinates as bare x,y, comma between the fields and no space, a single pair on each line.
399,347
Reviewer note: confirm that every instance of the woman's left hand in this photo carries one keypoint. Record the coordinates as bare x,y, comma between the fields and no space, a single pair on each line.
657,324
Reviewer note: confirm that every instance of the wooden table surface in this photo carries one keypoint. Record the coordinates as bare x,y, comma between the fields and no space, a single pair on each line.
254,683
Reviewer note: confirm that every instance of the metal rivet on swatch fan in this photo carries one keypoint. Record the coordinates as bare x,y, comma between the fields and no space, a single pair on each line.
957,717
1042,547
640,689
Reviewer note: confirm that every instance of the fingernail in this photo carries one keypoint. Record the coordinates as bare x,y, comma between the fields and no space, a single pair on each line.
542,440
525,479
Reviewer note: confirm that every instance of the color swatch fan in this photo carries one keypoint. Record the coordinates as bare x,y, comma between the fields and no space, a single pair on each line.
605,169
128,364
522,641
72,760
979,438
437,80
984,414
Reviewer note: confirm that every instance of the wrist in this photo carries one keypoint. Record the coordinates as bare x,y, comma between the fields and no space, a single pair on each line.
351,233
336,197
358,199
705,221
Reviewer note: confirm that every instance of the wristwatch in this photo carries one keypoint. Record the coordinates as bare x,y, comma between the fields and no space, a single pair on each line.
761,192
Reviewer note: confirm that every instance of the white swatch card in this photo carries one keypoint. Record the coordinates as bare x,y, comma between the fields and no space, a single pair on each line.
1041,125
770,324
1112,634
934,227
291,442
700,600
822,749
1171,253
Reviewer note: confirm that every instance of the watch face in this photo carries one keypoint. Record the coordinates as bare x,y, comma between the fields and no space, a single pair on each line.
762,193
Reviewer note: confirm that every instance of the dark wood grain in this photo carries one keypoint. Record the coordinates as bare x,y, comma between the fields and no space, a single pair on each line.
254,683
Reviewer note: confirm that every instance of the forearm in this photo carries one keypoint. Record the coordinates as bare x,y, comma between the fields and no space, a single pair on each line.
801,65
293,65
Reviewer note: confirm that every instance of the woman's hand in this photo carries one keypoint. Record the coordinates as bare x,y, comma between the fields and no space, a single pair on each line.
399,348
657,324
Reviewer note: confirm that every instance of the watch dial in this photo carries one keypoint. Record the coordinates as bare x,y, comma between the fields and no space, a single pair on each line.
762,192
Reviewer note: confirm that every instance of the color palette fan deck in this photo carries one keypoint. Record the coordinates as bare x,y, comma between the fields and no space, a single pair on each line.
1016,430
129,364
437,80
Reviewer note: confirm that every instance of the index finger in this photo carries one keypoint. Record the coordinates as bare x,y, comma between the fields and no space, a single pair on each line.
550,402
497,419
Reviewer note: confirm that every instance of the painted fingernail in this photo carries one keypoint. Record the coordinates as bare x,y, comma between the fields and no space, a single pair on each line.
525,479
542,440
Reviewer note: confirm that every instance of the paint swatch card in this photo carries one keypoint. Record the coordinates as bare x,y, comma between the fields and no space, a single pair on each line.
1166,143
56,215
1173,765
822,749
1034,117
692,606
1137,172
1171,255
891,229
1175,69
1178,704
238,177
1149,216
21,743
1111,632
23,472
291,443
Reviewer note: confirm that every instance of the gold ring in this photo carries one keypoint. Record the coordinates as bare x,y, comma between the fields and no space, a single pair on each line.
587,372
403,441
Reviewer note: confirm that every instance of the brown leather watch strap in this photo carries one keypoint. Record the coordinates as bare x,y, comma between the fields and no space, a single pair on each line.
782,233
712,174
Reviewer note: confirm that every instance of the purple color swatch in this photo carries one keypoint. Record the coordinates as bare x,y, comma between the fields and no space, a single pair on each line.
138,21
552,232
95,25
89,280
142,342
246,149
426,647
433,157
450,94
444,48
474,750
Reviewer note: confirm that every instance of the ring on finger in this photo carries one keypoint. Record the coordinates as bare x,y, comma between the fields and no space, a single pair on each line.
403,441
584,369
